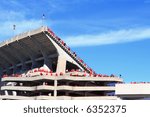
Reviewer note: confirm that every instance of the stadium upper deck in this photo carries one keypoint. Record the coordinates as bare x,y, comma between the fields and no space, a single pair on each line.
37,44
38,63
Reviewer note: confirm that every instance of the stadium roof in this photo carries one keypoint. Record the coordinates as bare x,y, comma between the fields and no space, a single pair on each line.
36,44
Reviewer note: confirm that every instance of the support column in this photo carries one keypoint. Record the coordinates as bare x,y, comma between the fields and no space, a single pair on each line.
61,64
67,92
55,88
86,93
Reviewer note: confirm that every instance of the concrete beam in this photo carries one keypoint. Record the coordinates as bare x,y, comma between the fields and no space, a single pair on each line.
38,44
47,62
61,64
29,51
4,62
10,53
2,54
14,52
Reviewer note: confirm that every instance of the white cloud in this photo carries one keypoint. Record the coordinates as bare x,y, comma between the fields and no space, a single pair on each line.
11,15
111,37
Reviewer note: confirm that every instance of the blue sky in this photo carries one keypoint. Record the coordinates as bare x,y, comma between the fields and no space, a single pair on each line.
112,36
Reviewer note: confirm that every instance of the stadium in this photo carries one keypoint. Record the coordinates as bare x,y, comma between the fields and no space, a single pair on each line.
38,65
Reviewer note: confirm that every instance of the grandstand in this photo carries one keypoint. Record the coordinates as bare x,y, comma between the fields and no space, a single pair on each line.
39,65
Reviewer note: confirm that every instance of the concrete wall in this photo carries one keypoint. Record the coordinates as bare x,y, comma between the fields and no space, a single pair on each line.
133,89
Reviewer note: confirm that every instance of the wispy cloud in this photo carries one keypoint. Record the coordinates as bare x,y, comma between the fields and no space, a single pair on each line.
111,37
20,18
11,15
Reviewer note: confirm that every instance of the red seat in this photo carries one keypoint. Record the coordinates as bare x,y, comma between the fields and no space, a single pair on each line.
62,42
99,75
58,38
51,32
69,48
41,74
51,74
61,73
84,74
81,60
77,70
72,70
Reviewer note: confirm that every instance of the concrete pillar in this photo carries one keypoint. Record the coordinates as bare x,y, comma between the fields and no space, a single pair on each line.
61,64
67,92
55,88
86,93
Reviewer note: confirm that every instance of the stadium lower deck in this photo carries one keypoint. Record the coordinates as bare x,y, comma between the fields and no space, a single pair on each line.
39,65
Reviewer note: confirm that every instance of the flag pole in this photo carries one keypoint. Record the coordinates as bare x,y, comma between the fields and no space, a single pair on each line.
43,18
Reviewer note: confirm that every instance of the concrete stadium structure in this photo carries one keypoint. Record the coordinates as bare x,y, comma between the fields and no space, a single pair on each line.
39,65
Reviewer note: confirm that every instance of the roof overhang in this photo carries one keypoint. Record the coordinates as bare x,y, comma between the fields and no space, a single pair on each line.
35,44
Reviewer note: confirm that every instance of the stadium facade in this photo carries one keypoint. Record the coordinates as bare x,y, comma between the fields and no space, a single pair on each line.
39,65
